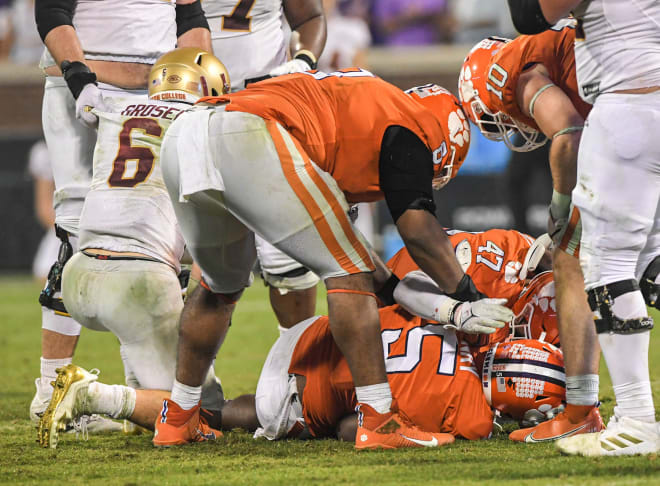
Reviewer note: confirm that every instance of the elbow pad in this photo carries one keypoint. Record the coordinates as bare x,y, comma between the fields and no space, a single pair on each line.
52,13
190,16
528,17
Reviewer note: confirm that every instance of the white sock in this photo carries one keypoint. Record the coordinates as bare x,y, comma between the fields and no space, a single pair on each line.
48,373
185,396
627,361
118,401
378,397
582,389
635,400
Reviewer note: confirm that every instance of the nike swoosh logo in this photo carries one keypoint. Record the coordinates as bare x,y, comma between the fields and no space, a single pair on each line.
531,440
423,443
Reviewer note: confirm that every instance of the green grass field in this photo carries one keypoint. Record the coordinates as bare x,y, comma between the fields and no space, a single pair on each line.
237,458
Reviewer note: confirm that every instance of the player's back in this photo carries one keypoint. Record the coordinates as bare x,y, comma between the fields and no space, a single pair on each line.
617,46
247,35
429,369
339,119
554,50
127,208
491,258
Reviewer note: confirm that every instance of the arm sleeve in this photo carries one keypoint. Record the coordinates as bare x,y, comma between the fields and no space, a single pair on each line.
527,16
190,16
52,13
419,295
405,172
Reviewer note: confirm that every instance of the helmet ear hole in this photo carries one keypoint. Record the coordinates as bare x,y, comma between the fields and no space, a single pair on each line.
214,92
198,61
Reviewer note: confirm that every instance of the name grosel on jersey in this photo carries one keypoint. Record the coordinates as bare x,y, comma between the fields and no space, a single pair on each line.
154,111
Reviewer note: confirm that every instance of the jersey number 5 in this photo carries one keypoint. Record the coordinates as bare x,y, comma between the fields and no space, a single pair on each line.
142,157
414,340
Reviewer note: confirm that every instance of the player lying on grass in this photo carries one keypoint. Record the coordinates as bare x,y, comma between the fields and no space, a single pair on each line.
516,258
528,87
124,279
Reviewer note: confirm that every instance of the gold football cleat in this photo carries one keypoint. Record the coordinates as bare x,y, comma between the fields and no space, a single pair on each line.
68,403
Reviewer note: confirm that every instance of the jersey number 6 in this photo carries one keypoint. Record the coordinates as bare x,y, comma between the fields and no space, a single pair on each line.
143,157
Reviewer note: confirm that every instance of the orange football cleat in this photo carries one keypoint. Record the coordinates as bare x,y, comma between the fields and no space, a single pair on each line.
175,426
392,430
567,423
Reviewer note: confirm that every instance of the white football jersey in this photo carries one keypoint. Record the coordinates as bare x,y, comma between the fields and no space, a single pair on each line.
124,30
127,207
617,46
247,36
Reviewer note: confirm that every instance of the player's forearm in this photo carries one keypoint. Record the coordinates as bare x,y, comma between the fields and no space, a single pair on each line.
563,162
307,22
419,295
430,248
311,37
197,37
63,44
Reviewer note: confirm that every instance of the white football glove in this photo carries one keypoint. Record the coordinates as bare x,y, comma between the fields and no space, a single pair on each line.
90,98
483,316
290,67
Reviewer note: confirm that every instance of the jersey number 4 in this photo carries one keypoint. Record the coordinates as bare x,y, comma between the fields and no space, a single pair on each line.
414,342
140,158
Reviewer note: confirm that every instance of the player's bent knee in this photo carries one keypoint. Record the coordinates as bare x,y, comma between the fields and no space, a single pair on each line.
649,286
601,300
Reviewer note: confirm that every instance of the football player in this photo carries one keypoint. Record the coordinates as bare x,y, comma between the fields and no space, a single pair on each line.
528,87
256,27
94,50
307,143
124,279
618,193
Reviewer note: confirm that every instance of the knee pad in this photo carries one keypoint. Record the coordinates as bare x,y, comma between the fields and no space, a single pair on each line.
650,289
601,300
299,278
53,286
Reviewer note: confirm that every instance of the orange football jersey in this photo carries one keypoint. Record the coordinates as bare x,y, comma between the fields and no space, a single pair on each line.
553,49
430,371
339,119
491,258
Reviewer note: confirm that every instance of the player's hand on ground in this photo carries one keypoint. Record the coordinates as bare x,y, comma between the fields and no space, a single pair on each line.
90,99
290,67
483,316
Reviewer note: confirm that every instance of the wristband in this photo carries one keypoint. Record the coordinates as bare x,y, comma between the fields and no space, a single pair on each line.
77,75
308,57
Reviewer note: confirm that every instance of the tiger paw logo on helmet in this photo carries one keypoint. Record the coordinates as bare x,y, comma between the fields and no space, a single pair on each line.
459,128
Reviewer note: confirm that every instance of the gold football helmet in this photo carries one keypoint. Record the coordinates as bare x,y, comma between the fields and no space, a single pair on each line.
187,74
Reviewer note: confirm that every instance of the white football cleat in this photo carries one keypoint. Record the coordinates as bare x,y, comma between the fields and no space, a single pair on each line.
623,436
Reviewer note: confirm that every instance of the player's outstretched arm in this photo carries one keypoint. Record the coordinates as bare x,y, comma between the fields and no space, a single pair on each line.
557,117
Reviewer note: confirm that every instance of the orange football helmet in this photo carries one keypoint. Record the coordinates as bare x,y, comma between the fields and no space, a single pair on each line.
481,79
536,311
445,106
524,375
